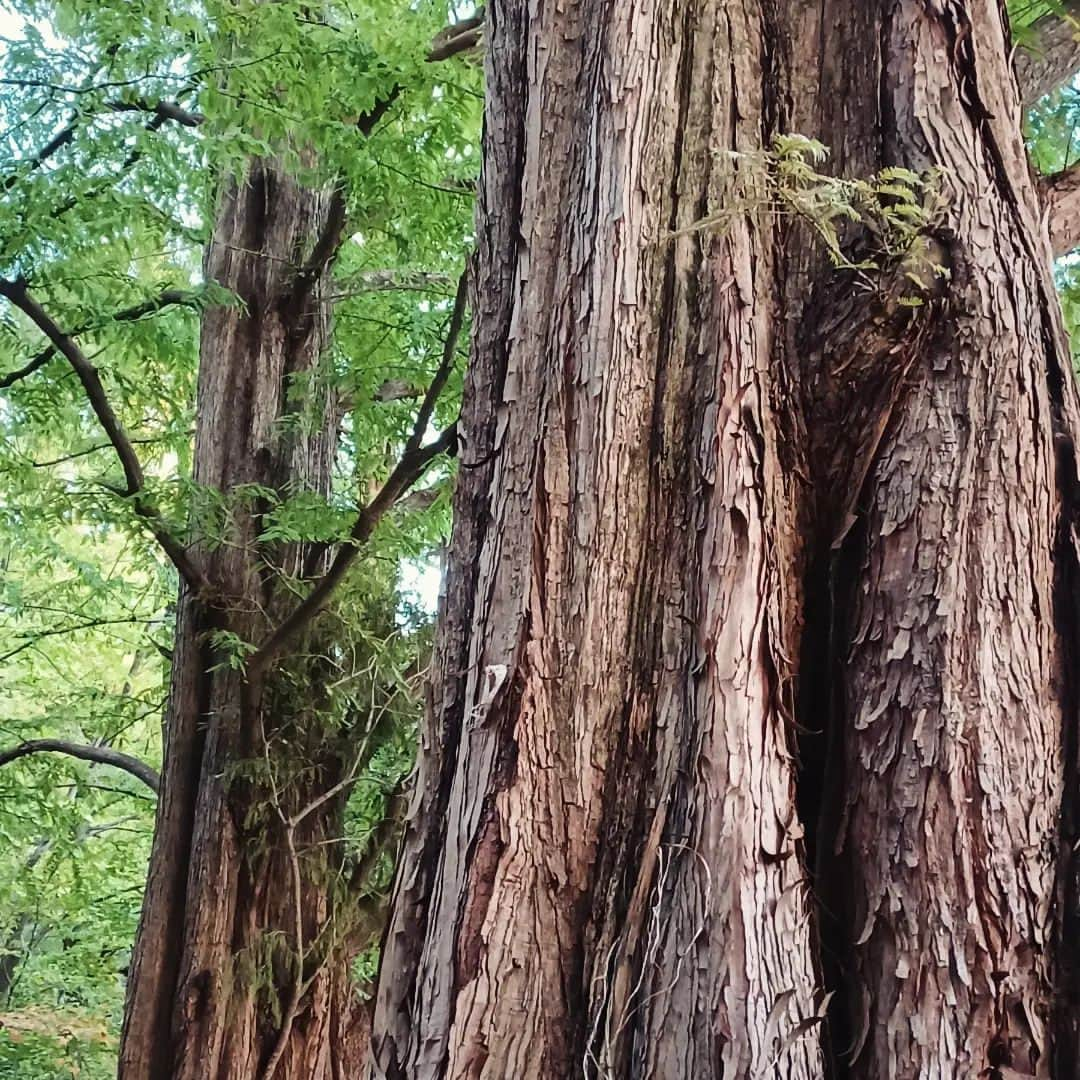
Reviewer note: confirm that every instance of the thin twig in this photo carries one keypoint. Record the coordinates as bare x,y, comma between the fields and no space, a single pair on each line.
89,624
92,450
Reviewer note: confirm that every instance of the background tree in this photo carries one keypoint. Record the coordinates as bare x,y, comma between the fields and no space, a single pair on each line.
298,140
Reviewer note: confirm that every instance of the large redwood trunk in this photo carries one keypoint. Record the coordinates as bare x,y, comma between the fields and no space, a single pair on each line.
948,519
213,987
692,460
603,873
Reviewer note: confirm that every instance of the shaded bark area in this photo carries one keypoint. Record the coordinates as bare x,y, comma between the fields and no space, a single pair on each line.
602,871
214,975
943,503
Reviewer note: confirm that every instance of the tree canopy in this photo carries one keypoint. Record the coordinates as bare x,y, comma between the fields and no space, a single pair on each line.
120,122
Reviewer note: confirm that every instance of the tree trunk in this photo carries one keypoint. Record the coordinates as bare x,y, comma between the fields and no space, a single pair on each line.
603,874
692,460
232,907
947,516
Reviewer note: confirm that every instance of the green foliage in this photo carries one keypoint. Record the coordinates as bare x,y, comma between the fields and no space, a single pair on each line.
105,203
1023,13
893,210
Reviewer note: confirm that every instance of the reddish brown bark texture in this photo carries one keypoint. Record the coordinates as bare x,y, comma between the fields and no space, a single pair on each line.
690,460
952,661
206,982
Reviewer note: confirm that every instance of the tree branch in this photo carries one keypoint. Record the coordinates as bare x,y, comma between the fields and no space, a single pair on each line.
100,755
453,332
325,249
1053,56
96,448
33,364
1061,203
166,110
162,110
155,123
458,38
370,281
414,462
329,241
409,469
16,292
89,624
366,123
166,298
57,142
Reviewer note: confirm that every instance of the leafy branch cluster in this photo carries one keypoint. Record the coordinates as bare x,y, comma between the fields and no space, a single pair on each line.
894,210
118,125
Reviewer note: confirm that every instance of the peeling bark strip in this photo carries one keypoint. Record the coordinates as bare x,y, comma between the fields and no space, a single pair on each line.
602,872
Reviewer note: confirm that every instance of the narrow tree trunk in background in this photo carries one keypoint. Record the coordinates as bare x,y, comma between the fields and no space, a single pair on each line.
602,873
214,965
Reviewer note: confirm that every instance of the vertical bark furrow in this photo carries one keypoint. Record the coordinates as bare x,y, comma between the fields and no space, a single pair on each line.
493,293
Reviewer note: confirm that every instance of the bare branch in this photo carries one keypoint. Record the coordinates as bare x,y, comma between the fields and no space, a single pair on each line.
166,110
166,298
1061,202
458,38
100,755
65,344
1053,57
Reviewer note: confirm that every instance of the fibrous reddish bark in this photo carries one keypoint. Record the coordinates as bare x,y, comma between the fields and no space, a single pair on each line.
951,660
208,988
602,872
